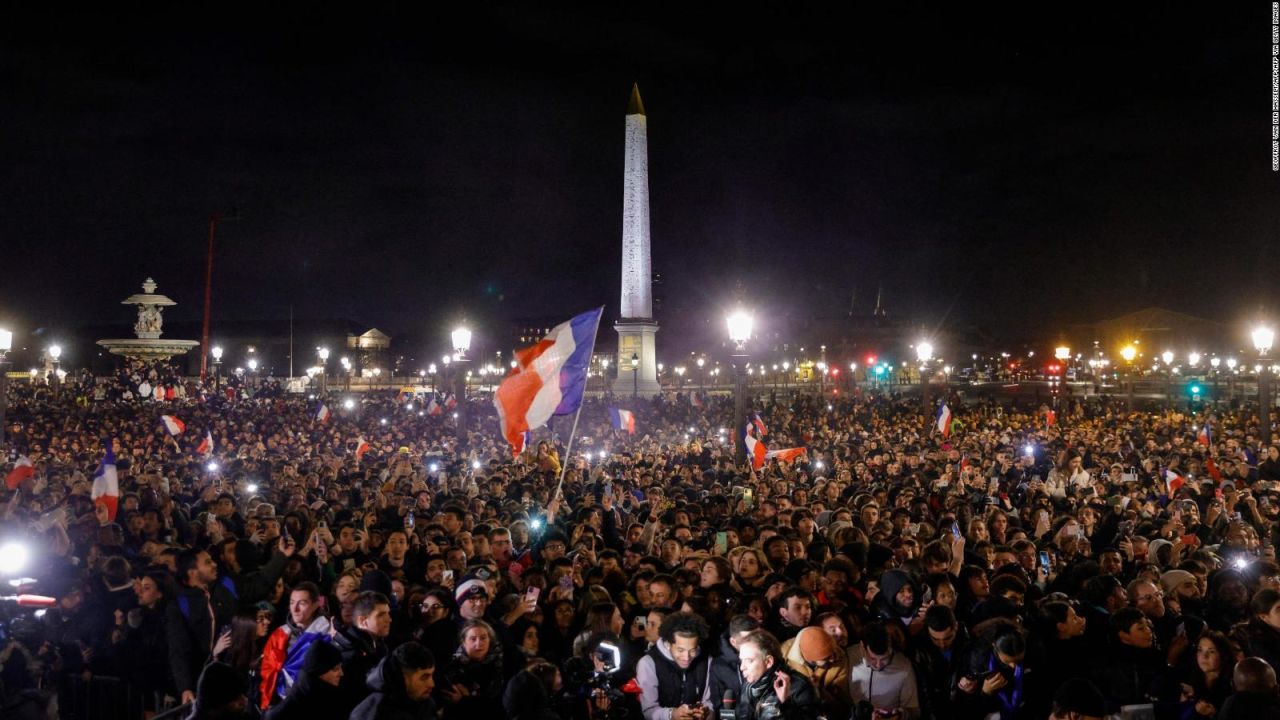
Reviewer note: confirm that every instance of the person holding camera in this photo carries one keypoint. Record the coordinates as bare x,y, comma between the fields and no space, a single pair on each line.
675,675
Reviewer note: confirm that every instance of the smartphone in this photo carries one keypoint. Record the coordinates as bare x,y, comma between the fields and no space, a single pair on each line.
446,576
532,593
955,530
641,622
566,584
749,498
722,543
1044,558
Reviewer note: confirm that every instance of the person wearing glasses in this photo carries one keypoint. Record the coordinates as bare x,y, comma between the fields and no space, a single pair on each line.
883,685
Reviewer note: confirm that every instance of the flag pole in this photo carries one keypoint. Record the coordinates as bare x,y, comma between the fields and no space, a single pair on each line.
568,448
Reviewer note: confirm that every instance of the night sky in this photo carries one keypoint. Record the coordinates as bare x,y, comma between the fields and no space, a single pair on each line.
1014,167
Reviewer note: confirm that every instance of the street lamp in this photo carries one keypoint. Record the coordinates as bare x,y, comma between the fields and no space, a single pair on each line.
216,352
924,353
1128,353
253,371
702,386
346,372
432,369
739,324
323,352
1263,337
6,344
461,337
1167,357
55,352
635,375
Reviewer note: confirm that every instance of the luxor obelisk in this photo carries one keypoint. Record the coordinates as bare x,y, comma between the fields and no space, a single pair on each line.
636,326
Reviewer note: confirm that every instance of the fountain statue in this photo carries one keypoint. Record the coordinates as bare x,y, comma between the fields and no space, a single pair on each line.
148,345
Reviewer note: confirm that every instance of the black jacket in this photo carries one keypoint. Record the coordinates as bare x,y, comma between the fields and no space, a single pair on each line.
758,701
525,698
191,631
361,652
310,699
388,700
725,675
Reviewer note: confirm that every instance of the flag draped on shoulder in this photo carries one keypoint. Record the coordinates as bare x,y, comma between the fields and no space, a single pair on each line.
549,378
623,420
943,421
21,471
173,425
106,483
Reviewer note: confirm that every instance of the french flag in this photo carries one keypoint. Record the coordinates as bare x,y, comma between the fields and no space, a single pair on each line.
525,438
785,455
173,425
759,424
106,484
623,420
549,377
451,402
206,445
322,415
1174,481
1205,436
1050,418
433,408
943,422
696,400
21,471
362,447
756,451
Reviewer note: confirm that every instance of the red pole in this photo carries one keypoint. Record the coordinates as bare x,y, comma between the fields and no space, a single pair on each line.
208,296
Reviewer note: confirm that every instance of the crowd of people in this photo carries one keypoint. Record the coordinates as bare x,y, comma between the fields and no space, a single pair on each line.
368,563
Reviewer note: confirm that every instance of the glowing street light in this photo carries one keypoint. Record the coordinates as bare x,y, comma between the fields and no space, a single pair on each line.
1193,359
1062,352
924,351
461,338
1128,352
6,344
739,324
1263,337
1167,357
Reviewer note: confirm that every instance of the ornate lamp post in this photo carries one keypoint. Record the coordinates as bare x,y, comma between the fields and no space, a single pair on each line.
1167,357
702,386
323,353
924,353
253,372
1128,353
216,352
433,369
1263,337
346,372
739,324
1214,363
461,338
635,375
55,353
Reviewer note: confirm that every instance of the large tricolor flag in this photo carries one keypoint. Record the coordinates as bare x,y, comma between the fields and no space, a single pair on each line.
362,447
785,455
206,445
283,656
943,421
1205,436
173,425
106,484
433,408
322,415
21,471
549,378
623,420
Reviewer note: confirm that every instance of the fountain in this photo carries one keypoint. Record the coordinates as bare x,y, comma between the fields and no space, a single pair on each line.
148,345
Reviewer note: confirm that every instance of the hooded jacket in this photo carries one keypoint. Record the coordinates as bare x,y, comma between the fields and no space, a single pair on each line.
388,699
886,603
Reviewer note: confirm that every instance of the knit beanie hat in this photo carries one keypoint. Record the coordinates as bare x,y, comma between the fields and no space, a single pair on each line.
815,644
219,686
1173,578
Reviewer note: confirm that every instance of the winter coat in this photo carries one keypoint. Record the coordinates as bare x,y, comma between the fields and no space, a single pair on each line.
388,699
361,652
758,701
310,699
830,683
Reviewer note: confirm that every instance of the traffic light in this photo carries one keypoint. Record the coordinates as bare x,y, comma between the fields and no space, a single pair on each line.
1194,390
